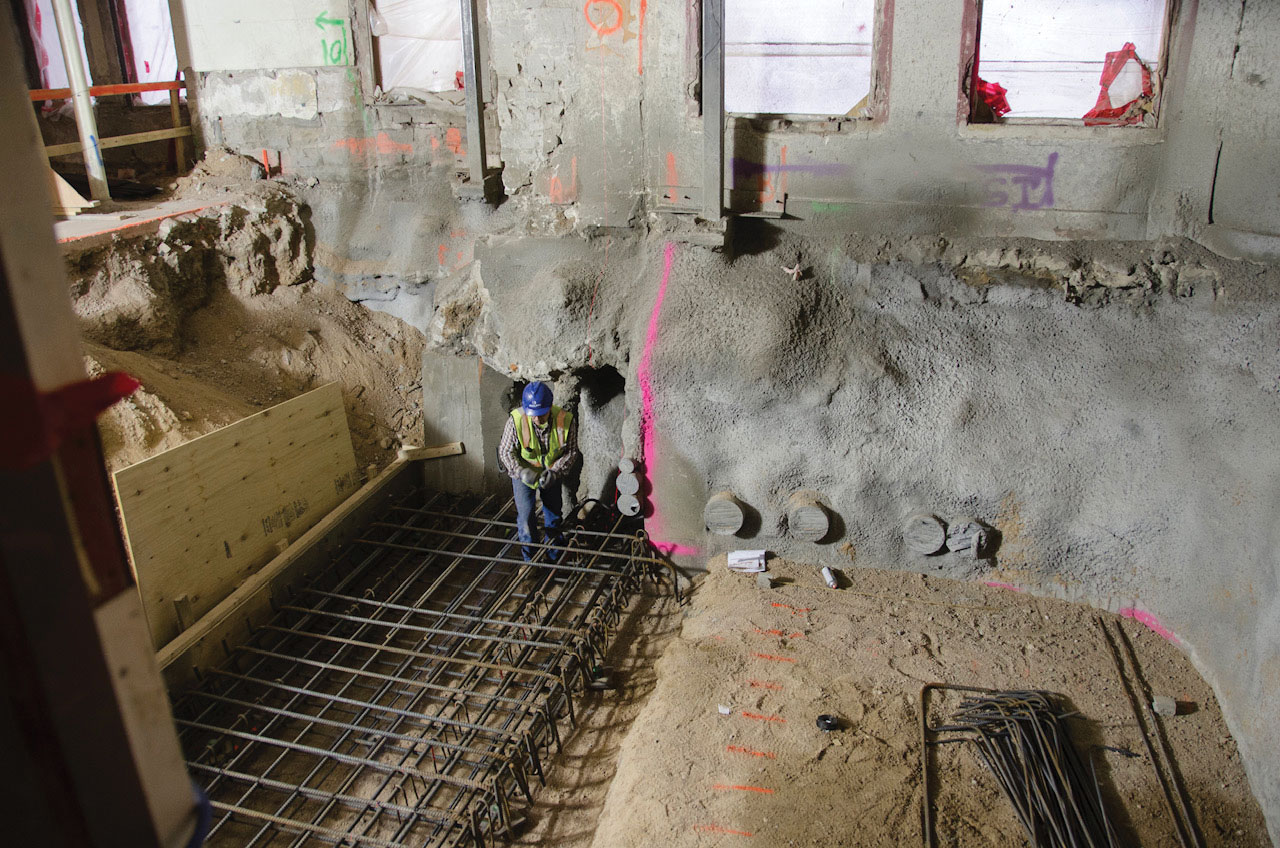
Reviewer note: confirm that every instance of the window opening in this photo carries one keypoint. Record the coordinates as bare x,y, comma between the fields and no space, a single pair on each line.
48,49
1092,60
812,58
154,56
418,44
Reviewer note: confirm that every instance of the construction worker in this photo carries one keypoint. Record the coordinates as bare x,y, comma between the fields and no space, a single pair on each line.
539,447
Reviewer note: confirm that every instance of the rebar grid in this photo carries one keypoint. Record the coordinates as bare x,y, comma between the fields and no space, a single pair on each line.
408,694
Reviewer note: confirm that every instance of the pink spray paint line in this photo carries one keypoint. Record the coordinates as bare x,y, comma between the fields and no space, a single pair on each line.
1152,623
644,374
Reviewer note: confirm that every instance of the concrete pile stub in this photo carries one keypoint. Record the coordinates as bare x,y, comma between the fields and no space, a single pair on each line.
723,514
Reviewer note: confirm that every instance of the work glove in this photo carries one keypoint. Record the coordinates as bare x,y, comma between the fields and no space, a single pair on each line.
529,477
546,479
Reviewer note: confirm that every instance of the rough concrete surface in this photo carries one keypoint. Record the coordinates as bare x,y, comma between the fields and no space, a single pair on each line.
1109,410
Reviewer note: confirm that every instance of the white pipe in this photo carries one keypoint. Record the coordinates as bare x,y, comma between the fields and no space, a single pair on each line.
86,123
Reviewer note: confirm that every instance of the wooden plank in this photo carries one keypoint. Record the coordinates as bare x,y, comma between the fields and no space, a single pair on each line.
410,452
118,141
204,516
66,200
228,623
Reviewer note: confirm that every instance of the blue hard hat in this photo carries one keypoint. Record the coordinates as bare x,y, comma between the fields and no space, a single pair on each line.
536,399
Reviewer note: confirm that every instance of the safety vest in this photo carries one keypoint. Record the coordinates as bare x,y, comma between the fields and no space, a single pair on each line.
530,448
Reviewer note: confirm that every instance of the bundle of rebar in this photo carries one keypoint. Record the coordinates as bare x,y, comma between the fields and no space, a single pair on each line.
1021,737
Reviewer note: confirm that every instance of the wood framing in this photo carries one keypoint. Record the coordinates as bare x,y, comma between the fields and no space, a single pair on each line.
206,515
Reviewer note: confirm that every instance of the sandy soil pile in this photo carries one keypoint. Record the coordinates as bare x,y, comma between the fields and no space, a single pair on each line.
218,316
766,775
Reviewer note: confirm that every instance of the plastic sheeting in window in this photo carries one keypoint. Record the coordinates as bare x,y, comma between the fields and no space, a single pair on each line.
151,35
44,36
1050,56
419,44
813,60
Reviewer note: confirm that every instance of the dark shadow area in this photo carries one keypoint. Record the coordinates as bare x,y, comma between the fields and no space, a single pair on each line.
751,522
752,236
836,527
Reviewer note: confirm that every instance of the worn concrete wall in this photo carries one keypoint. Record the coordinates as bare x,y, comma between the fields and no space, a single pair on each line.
593,120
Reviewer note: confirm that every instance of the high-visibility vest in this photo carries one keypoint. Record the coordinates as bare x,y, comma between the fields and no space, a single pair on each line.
530,448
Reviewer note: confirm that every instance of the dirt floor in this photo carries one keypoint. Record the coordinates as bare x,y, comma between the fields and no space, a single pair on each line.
764,774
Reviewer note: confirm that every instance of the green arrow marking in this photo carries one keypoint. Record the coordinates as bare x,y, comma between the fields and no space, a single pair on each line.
323,19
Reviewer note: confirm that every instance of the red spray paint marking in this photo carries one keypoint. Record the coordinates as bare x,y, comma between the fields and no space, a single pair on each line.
452,139
758,717
644,9
671,177
738,749
764,684
773,657
715,828
644,373
740,787
784,634
1008,586
266,163
1151,622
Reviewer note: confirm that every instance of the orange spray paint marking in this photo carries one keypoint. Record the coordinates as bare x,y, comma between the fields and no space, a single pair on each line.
765,684
604,28
773,657
671,177
715,828
266,163
784,634
758,717
743,788
738,749
793,609
555,189
453,140
644,9
435,143
441,253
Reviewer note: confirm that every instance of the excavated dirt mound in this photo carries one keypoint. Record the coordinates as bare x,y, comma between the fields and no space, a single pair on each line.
217,315
764,774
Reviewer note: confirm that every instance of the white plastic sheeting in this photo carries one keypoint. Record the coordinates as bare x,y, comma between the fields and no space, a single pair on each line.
151,35
1049,56
419,43
44,35
811,58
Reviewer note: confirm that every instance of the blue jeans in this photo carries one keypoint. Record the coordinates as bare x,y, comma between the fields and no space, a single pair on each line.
526,502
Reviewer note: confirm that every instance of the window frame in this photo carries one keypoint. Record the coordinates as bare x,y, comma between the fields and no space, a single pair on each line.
967,90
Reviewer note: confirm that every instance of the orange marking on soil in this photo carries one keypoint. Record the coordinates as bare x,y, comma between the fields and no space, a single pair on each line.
758,717
715,828
784,634
794,610
764,684
743,788
738,749
773,657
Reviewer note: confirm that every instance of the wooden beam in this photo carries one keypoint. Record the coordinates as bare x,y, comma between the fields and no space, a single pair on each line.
408,452
119,141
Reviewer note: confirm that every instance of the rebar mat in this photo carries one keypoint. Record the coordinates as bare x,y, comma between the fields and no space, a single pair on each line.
410,694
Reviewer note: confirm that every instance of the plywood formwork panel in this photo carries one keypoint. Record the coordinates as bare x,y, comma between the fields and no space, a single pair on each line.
204,516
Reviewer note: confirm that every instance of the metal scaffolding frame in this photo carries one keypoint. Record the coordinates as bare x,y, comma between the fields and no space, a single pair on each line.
409,693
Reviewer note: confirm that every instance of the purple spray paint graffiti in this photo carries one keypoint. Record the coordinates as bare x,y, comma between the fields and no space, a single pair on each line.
1030,178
